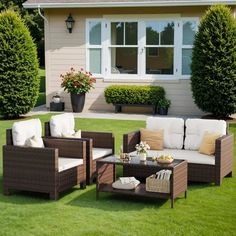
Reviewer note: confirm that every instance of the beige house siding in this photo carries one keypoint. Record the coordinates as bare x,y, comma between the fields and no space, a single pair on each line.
178,91
64,50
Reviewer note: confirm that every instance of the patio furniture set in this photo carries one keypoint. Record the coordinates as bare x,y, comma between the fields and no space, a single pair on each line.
65,157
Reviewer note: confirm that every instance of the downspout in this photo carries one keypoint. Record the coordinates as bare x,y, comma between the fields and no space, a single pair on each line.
40,13
45,26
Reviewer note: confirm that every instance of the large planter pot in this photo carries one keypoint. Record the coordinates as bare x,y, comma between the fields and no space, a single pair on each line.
77,101
162,111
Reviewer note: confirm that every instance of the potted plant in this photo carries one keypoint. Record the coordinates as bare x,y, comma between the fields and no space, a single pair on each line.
141,149
77,83
163,106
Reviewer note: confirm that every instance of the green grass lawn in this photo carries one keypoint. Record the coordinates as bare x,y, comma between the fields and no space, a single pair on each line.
208,210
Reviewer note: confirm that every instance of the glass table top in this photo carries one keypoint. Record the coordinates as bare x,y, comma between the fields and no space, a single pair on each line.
136,161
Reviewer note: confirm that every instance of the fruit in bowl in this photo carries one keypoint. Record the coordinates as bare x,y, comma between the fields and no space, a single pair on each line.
154,158
165,159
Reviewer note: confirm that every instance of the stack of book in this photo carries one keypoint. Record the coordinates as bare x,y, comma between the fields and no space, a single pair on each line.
163,174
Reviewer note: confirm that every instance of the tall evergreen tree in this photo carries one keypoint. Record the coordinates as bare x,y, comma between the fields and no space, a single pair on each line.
213,77
19,83
32,20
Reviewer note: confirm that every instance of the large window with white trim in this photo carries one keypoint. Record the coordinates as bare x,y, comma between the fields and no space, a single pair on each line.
135,48
159,47
124,47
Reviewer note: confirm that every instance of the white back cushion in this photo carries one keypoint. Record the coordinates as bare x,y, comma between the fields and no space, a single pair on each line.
195,129
173,130
23,130
62,124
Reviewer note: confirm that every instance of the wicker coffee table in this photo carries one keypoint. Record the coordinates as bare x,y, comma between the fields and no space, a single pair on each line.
106,175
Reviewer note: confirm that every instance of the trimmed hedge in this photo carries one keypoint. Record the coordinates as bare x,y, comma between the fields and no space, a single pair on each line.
132,94
19,82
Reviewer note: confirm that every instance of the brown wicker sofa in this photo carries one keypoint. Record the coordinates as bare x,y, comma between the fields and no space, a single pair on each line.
98,145
197,172
59,166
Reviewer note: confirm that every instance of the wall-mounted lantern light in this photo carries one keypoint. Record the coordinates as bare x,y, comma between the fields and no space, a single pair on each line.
70,23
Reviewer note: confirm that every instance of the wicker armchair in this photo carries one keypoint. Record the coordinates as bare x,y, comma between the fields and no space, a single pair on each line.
196,172
42,169
98,146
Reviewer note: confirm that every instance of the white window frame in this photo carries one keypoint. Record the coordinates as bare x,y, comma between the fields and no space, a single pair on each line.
120,76
183,19
88,46
141,63
175,62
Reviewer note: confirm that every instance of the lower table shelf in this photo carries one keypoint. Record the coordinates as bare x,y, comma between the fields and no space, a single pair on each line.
106,176
140,190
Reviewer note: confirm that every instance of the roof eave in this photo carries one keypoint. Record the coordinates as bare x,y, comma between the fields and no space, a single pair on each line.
129,4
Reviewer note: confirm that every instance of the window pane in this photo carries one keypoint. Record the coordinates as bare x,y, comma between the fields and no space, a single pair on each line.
167,33
95,33
124,60
152,33
131,33
186,61
189,29
117,33
95,60
161,62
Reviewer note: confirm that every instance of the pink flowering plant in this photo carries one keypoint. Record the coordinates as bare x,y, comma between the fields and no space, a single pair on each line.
142,147
77,82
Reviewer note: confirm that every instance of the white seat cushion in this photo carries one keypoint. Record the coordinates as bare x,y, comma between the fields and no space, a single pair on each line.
101,152
67,163
173,130
62,124
24,130
195,129
190,156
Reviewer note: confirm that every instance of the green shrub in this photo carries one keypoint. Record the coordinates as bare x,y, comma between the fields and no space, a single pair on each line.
41,99
213,77
19,84
42,85
164,103
130,94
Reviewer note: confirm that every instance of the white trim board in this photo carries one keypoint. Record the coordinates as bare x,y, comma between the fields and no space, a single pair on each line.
129,17
102,4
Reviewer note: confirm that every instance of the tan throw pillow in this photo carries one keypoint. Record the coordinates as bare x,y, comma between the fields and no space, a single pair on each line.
208,143
34,142
153,138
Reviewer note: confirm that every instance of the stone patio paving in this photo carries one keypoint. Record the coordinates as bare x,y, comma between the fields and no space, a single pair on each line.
102,114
